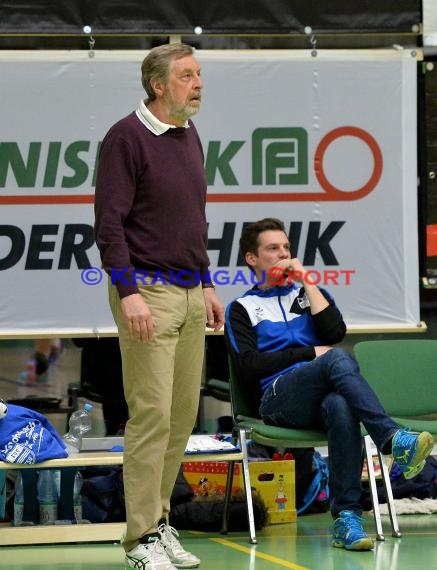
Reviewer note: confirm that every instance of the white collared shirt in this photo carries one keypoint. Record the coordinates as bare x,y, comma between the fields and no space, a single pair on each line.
154,125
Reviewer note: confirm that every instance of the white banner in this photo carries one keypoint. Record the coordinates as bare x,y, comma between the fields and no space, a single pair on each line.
326,143
429,10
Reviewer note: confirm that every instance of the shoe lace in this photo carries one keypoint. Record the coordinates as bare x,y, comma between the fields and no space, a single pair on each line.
157,551
170,536
352,522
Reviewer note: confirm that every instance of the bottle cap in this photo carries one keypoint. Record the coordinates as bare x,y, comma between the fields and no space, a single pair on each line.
88,407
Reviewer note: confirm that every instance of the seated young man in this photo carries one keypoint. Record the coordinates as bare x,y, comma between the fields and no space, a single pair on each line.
281,337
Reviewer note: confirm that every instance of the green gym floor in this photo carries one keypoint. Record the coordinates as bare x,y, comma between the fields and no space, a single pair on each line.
304,545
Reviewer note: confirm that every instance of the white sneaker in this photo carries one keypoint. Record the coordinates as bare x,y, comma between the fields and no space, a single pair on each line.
150,556
177,555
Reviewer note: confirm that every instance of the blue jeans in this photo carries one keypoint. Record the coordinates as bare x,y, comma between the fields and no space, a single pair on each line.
330,393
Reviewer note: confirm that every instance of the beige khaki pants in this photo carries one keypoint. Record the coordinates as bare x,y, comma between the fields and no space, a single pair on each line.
161,383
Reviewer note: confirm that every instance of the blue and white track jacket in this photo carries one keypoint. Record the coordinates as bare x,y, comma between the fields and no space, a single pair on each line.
270,332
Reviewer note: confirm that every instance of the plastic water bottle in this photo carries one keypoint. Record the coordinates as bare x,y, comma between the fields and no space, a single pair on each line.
18,500
47,497
79,424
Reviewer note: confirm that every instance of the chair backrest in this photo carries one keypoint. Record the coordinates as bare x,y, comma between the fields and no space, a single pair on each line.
403,374
245,397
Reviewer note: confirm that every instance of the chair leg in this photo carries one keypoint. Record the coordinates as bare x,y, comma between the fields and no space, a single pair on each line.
373,489
389,495
247,487
228,495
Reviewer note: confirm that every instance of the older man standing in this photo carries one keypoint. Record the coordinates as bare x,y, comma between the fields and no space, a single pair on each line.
152,235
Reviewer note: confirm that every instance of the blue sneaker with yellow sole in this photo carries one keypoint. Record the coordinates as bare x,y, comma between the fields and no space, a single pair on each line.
349,533
410,451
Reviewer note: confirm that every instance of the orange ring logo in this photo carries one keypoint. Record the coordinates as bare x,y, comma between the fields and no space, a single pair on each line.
338,193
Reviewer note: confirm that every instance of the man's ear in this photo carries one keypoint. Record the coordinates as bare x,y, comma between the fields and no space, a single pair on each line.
157,86
250,258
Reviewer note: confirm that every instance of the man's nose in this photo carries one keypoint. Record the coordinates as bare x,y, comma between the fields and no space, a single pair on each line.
198,84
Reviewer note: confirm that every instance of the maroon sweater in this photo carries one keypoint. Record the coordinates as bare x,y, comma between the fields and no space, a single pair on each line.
150,204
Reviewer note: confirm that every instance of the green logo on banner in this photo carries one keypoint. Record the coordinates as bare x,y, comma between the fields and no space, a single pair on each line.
279,156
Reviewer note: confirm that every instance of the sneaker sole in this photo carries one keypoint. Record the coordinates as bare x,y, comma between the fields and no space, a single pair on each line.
425,444
362,544
184,563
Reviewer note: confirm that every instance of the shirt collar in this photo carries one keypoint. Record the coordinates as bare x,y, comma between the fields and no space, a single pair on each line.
154,125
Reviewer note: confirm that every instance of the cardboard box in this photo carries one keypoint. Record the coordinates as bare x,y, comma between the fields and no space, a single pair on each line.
376,467
208,478
273,480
